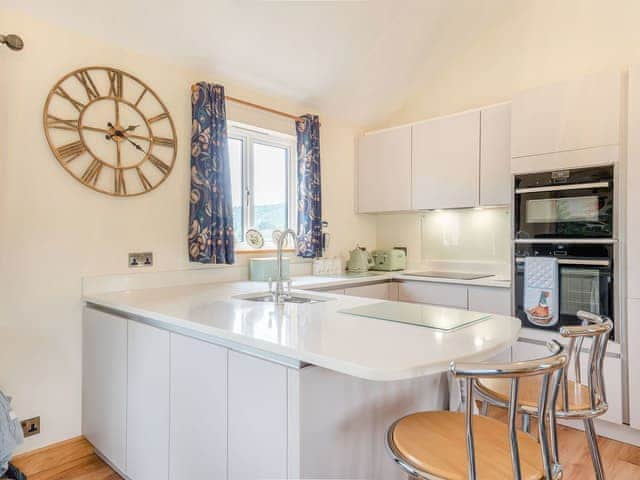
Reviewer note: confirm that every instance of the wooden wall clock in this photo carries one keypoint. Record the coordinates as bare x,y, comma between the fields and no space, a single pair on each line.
110,131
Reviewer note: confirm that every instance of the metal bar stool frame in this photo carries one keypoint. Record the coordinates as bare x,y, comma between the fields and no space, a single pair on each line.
551,368
597,328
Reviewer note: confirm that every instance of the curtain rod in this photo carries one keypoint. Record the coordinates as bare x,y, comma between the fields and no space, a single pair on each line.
260,107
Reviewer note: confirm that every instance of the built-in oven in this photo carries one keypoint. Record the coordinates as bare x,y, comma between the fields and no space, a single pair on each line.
574,204
585,280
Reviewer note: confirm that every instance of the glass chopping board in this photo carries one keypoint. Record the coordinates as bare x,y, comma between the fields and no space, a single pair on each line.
430,316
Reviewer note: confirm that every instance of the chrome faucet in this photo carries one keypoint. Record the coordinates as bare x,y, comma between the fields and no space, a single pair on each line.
278,295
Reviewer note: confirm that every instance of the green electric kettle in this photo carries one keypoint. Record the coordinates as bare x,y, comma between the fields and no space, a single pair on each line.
359,260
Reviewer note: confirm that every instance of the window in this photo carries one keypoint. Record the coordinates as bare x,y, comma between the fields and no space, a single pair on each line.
263,181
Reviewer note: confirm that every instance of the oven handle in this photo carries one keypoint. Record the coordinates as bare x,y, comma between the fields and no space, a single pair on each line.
573,261
554,188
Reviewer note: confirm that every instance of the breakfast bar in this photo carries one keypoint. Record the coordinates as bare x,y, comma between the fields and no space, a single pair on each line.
205,375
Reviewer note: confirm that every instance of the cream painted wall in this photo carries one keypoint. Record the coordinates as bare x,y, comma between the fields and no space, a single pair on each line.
53,230
492,49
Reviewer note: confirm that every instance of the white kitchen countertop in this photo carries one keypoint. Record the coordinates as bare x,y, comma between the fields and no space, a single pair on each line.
316,333
336,281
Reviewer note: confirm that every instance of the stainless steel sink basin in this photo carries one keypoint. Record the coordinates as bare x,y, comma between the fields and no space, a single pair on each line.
268,298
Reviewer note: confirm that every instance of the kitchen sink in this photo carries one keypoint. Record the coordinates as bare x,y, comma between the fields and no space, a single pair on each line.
268,298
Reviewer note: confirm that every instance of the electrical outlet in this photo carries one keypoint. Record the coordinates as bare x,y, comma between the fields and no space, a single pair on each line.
140,259
30,426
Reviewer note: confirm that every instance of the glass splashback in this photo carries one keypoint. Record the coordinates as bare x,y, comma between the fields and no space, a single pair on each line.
476,235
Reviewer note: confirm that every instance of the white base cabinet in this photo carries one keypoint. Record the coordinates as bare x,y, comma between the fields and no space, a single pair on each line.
148,410
198,430
159,405
376,290
444,294
257,418
104,384
490,300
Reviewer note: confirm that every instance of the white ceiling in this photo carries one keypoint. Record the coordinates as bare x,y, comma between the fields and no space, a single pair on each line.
352,59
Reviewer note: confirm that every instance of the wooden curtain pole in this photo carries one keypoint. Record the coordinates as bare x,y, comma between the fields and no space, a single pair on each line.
259,107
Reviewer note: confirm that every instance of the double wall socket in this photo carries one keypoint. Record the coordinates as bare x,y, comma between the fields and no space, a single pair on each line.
140,259
30,426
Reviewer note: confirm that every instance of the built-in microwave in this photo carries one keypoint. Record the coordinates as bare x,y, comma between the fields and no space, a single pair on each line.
585,280
575,204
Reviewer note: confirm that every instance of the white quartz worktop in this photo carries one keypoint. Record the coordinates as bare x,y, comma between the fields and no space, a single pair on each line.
311,281
312,333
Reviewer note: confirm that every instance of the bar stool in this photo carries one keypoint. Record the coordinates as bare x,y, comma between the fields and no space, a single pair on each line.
461,446
577,401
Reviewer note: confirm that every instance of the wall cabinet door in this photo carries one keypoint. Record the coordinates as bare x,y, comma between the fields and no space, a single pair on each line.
433,293
384,171
445,162
490,300
495,155
378,290
148,411
579,114
257,418
104,384
198,409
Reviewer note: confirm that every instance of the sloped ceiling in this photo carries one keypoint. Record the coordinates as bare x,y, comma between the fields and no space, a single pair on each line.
356,60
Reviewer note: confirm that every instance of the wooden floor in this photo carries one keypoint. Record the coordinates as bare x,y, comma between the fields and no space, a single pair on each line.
76,460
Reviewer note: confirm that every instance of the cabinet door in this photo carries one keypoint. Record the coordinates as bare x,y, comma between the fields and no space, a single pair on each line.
433,293
384,171
490,300
632,191
495,155
257,418
378,290
104,384
633,333
148,403
521,351
572,115
198,409
445,162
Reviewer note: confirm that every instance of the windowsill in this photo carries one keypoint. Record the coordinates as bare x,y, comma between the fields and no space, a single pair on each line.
244,251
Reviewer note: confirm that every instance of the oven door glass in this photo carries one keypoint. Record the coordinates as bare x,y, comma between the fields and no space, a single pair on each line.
558,213
581,287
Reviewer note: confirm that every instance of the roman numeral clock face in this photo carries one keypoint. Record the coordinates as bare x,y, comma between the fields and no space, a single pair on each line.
110,131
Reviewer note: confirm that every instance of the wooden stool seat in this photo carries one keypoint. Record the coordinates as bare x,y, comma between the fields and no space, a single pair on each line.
529,392
435,443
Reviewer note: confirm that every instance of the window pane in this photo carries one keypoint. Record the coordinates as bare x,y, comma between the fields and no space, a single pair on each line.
270,188
235,162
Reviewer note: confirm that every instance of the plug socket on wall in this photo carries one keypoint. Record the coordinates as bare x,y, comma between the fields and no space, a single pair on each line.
140,259
30,426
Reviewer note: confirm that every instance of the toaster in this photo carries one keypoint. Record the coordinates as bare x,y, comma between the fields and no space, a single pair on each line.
389,260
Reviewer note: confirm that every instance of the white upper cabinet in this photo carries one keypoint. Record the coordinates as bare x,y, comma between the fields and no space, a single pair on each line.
384,171
445,161
495,155
569,124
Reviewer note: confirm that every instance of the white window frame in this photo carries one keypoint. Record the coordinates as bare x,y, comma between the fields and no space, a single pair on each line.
249,135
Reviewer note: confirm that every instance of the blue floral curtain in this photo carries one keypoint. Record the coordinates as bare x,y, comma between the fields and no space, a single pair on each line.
210,211
309,195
